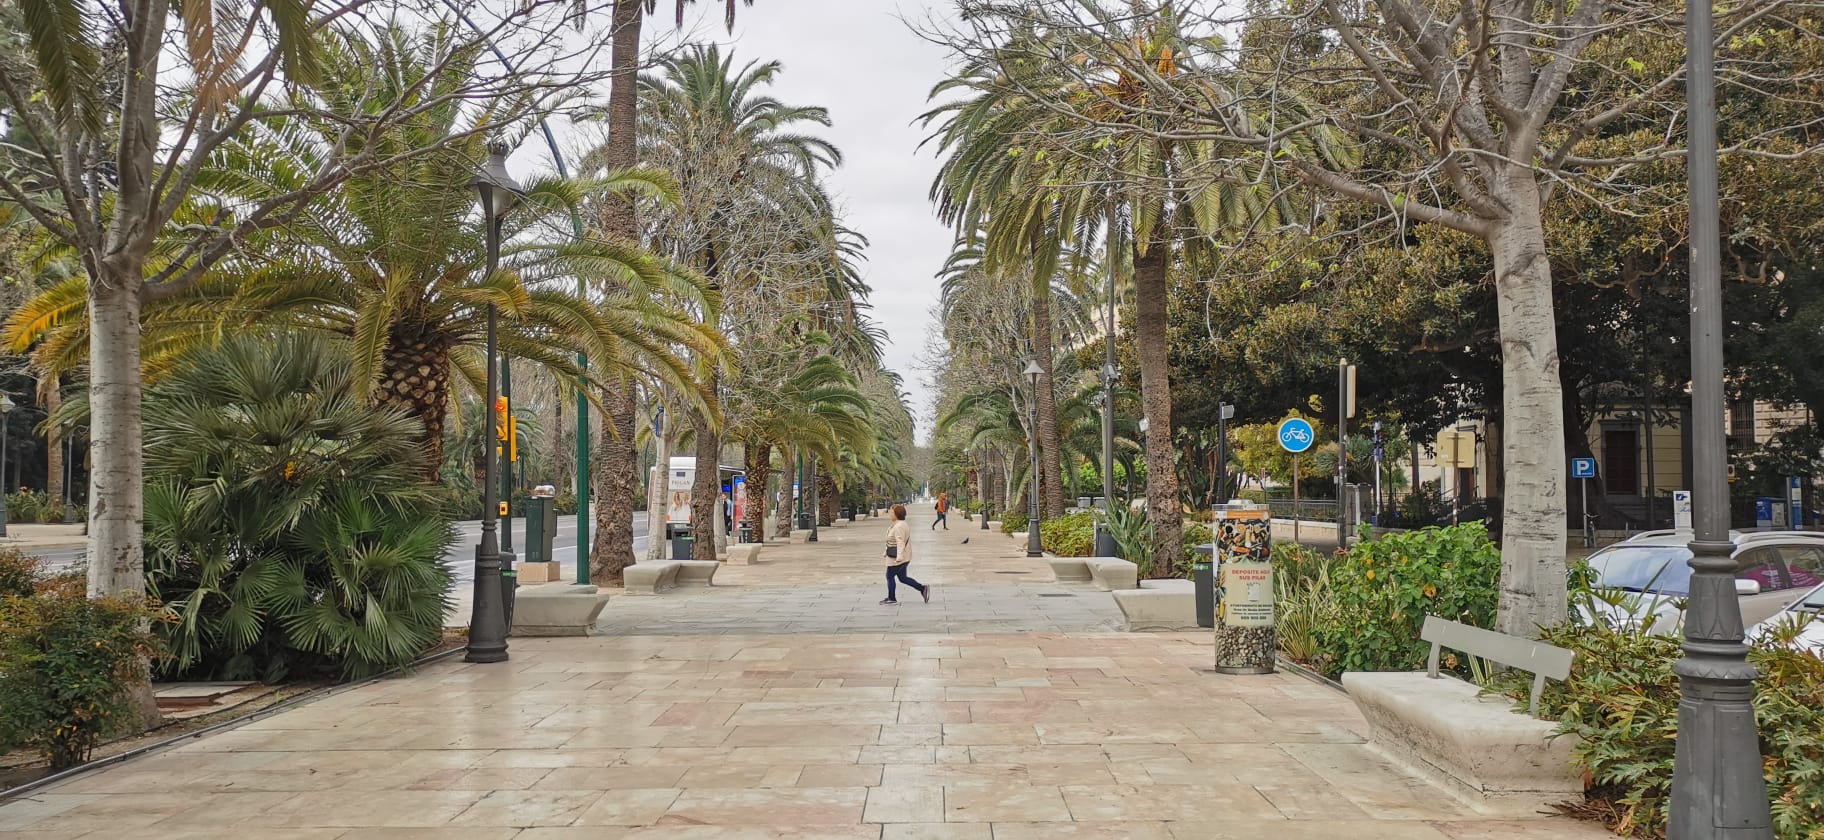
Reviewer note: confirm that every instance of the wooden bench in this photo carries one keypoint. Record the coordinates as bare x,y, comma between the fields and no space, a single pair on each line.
1476,746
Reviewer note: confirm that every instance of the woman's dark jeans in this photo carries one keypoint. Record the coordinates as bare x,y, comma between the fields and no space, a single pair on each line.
898,573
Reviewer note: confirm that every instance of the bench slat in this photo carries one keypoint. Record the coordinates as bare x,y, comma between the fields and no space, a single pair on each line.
1513,651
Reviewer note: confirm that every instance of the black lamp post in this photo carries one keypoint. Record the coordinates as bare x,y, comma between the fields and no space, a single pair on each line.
6,408
1717,789
1033,547
488,618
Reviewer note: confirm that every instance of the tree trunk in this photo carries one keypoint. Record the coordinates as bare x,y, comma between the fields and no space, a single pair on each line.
614,479
1162,505
783,530
827,498
53,441
415,381
1051,490
1533,500
759,475
705,490
116,439
615,483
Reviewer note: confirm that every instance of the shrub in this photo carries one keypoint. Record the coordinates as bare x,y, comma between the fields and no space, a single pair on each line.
1133,535
19,574
1072,535
288,528
1384,588
67,668
1013,522
1621,702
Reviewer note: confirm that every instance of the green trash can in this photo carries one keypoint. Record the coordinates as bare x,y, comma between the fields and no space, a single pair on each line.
541,524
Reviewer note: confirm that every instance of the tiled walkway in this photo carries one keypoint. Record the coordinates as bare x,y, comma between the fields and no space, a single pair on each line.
823,732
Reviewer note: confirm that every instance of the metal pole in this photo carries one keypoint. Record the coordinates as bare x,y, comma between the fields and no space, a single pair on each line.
1378,453
506,458
1295,499
1342,451
488,620
1717,788
1584,525
1223,413
4,424
811,489
1034,548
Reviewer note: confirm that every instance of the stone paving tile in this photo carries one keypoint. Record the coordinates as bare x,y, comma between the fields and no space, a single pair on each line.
756,712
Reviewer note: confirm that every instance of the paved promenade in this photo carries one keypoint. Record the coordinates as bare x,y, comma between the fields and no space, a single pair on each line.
789,705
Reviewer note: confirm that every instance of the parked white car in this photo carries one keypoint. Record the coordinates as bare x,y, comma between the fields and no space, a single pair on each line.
1646,580
1797,625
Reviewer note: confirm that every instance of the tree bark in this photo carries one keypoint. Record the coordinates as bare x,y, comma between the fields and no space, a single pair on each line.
827,498
759,475
1162,506
1533,504
616,482
116,439
616,465
783,529
415,381
1051,490
53,441
705,501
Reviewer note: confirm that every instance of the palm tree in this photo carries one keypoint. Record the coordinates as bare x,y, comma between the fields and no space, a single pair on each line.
749,185
617,462
1019,171
407,289
813,407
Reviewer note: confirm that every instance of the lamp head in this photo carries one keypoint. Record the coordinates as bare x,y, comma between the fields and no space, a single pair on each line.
497,188
1032,370
6,403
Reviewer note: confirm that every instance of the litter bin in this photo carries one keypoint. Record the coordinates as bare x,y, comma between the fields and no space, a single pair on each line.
1203,577
683,545
804,522
745,533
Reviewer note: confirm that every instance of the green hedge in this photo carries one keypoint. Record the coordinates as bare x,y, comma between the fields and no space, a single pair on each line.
1072,535
1384,587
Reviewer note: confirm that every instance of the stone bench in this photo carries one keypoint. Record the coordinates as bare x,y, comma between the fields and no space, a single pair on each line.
1073,569
650,578
801,536
1499,760
1111,573
744,554
1158,605
557,609
697,572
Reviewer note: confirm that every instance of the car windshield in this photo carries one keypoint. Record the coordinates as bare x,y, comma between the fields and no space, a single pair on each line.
1660,569
1812,602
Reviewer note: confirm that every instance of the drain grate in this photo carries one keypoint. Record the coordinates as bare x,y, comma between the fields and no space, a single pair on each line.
1056,595
1013,573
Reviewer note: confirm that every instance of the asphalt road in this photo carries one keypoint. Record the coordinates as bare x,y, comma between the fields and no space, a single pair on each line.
460,558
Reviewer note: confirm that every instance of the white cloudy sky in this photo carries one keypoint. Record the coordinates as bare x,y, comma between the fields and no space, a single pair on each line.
862,61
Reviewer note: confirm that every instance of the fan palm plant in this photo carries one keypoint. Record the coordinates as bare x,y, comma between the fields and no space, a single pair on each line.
287,530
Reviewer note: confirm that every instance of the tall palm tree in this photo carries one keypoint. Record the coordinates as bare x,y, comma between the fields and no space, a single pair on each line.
748,181
408,289
616,464
1019,171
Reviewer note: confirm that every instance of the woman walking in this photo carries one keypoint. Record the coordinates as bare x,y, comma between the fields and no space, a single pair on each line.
899,558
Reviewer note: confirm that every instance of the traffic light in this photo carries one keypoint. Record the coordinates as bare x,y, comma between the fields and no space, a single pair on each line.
513,439
502,418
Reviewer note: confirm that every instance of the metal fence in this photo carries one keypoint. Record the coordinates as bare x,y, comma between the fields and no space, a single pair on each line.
1311,510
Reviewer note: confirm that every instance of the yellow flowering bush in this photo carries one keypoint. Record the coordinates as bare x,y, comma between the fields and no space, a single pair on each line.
1383,588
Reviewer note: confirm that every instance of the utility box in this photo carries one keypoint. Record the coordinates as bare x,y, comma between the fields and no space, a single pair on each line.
541,564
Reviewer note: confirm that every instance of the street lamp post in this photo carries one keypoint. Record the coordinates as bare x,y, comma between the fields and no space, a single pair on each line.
1033,547
1105,539
6,408
488,619
1717,788
1224,413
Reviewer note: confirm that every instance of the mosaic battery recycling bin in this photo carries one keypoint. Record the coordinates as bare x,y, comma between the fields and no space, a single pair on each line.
1245,639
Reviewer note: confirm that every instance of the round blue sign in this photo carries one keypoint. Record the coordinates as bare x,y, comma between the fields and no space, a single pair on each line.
1296,435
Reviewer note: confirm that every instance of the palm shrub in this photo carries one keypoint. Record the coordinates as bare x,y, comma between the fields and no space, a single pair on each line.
288,528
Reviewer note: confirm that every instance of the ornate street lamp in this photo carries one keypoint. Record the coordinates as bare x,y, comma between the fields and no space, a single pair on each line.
488,619
1717,789
1033,546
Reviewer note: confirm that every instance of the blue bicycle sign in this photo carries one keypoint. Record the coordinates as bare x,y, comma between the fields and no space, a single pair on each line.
1296,435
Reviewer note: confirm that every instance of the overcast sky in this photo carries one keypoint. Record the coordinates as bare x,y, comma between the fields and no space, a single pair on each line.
859,59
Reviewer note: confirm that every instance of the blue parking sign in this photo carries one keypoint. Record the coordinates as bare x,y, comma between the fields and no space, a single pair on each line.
1583,467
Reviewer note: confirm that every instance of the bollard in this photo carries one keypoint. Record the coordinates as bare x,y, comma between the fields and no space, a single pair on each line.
1245,638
